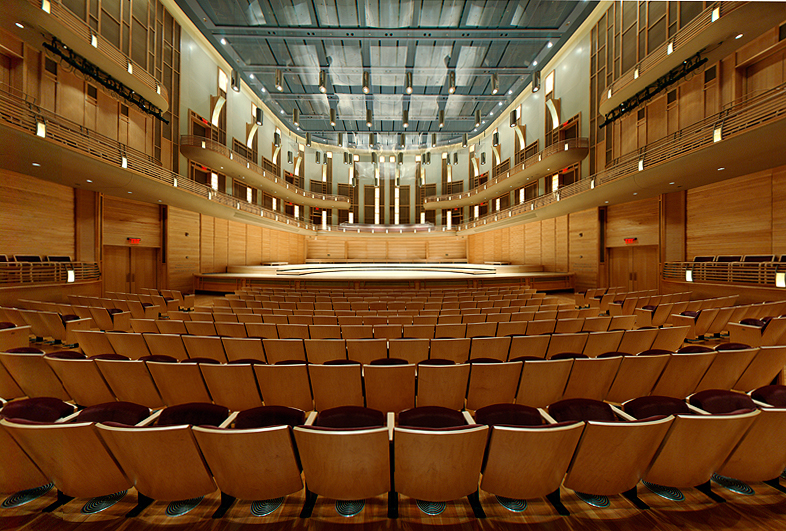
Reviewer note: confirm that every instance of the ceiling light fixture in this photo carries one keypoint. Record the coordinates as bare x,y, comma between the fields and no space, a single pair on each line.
549,44
234,80
333,117
465,140
258,118
451,82
369,121
405,118
535,80
494,84
223,40
296,116
402,139
513,118
433,139
323,81
279,80
366,82
308,139
441,115
477,118
408,82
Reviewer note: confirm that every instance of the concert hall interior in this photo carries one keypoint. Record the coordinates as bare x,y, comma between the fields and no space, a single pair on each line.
402,263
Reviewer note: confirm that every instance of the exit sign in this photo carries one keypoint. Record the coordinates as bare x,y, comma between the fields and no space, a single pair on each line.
629,241
134,241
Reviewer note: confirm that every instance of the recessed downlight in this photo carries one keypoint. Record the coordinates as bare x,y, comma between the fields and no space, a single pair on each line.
36,164
89,180
739,36
721,169
20,25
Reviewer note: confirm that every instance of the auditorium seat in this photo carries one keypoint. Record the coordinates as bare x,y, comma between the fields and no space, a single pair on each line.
413,350
335,385
129,344
233,385
390,387
763,369
636,376
262,330
683,373
285,385
442,385
72,454
512,328
596,324
277,350
696,444
366,350
600,342
345,464
323,350
730,362
324,331
237,348
179,383
166,345
13,335
566,343
456,349
424,331
635,341
542,382
489,347
163,460
758,333
24,474
541,453
144,326
80,377
540,326
254,458
130,380
32,373
610,457
591,377
443,330
110,321
534,346
492,383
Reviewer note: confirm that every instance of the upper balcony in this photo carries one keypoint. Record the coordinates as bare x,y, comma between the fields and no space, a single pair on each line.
47,146
215,155
748,135
47,18
715,32
552,159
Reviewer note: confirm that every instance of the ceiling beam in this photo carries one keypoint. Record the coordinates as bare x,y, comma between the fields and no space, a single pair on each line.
389,70
387,34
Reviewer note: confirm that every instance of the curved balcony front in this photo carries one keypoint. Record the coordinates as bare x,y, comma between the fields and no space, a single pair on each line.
713,33
215,155
549,161
74,32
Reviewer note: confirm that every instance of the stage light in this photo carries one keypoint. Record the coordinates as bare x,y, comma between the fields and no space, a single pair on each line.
279,80
477,118
495,138
451,82
441,115
296,117
323,81
408,77
405,118
333,117
494,84
366,82
369,120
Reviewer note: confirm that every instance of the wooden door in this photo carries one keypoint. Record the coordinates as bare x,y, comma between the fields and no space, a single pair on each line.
635,268
144,268
116,268
128,269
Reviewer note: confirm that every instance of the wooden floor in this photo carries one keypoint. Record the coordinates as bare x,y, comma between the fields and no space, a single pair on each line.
766,510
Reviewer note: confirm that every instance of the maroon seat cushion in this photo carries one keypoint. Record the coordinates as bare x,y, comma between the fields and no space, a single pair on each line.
291,362
251,361
161,358
568,356
124,413
694,349
41,409
6,325
113,311
651,307
209,361
69,317
260,417
147,304
110,356
690,313
654,352
350,417
614,354
651,406
437,361
750,321
431,417
508,414
485,360
721,401
194,413
342,361
25,350
732,346
388,361
66,355
775,395
527,358
581,409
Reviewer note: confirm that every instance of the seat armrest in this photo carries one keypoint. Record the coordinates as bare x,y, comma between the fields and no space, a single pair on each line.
68,418
468,417
621,414
696,409
149,420
312,416
746,334
230,419
391,419
548,418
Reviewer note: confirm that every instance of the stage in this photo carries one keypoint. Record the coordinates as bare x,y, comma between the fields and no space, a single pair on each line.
383,276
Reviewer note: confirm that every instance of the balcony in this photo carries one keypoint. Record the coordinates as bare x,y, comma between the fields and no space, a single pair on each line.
24,273
713,33
48,146
747,136
549,161
215,155
74,32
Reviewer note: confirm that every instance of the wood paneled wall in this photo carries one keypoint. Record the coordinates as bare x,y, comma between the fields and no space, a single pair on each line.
637,219
379,247
125,219
36,217
537,243
182,251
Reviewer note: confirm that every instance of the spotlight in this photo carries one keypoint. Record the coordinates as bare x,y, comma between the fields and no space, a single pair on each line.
308,139
401,140
234,82
400,159
323,81
405,118
279,80
455,158
317,157
347,157
494,84
277,139
374,158
451,82
433,139
366,82
296,117
340,139
408,78
259,116
495,139
333,117
483,158
536,81
372,139
289,157
477,118
465,139
441,119
369,121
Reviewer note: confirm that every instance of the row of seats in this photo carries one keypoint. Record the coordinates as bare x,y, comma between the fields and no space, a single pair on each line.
365,349
376,304
626,305
428,453
384,383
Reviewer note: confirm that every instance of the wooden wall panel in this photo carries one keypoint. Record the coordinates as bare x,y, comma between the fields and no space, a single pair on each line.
779,211
723,219
691,101
547,245
637,219
532,241
517,244
220,245
206,243
584,232
673,227
236,246
183,239
36,217
131,219
86,225
562,258
253,245
504,244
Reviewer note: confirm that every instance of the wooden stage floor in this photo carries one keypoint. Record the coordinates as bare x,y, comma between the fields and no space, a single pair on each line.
766,510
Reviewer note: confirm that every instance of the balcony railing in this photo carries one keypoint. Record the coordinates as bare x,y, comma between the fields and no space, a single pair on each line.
559,147
22,115
750,273
736,118
80,28
257,171
21,273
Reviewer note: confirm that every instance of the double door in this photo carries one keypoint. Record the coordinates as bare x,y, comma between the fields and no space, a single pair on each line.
128,269
634,268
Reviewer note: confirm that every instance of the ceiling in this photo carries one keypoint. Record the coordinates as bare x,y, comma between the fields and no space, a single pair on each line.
388,39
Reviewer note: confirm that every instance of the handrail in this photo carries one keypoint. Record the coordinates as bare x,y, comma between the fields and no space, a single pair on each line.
702,21
79,27
751,273
558,147
216,147
16,273
24,116
748,114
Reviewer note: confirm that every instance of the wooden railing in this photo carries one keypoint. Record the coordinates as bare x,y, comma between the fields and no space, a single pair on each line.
751,273
736,118
23,115
559,147
21,273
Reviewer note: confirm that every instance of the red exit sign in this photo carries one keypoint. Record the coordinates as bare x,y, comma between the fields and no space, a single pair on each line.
134,241
628,241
